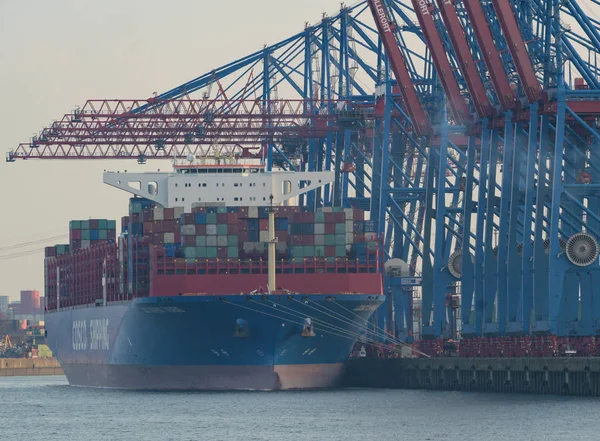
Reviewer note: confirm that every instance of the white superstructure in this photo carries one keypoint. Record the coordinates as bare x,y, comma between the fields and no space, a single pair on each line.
221,184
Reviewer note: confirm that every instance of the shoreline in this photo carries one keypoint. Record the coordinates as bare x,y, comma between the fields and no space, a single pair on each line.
21,367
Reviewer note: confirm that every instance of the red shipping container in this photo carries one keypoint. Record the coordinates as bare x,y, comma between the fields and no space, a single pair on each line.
359,238
243,236
339,217
329,228
282,236
134,218
158,239
199,210
200,230
50,251
243,211
93,224
232,218
296,240
124,221
233,229
148,227
189,219
75,234
221,218
243,225
264,224
148,215
308,218
329,218
222,252
178,236
169,214
111,234
296,218
189,241
359,214
308,239
330,251
76,244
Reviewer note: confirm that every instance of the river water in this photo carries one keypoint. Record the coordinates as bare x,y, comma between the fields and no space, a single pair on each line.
46,408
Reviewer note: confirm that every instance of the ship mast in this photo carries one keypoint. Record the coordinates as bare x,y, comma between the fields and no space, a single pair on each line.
271,287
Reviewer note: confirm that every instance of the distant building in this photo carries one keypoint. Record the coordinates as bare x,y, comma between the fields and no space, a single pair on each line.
4,301
30,302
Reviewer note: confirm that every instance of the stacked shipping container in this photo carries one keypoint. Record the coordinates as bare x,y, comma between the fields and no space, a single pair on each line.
206,236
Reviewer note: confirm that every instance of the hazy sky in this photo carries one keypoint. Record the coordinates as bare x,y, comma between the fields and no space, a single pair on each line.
56,54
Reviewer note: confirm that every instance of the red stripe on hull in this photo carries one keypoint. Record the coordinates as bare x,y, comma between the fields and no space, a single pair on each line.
243,283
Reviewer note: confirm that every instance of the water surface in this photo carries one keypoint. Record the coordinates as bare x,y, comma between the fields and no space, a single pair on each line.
47,409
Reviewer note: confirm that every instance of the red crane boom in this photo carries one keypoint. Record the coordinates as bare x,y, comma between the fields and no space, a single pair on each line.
518,51
464,57
459,107
419,117
484,37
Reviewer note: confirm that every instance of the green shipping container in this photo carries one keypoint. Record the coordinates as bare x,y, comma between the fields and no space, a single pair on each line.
189,252
309,251
340,239
102,224
233,252
222,230
338,209
85,234
85,225
102,234
340,251
211,252
111,225
75,225
211,218
221,210
372,245
329,239
320,251
201,252
340,228
232,241
298,252
298,259
201,241
319,217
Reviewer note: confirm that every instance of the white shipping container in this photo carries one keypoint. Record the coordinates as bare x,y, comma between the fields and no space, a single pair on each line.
263,236
158,213
327,209
319,239
211,241
178,212
85,243
253,212
188,230
349,212
169,238
211,230
371,237
349,226
349,238
221,241
319,229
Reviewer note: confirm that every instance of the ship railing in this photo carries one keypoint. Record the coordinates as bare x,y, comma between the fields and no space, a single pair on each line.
177,266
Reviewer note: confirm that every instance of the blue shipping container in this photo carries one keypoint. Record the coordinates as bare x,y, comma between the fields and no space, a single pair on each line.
200,218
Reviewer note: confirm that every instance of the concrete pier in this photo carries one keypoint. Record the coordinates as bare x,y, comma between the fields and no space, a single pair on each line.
561,376
10,367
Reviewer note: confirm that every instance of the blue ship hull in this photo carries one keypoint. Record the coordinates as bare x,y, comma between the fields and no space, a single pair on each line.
210,342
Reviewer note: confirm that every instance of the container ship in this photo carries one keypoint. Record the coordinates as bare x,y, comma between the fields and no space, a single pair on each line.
213,283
